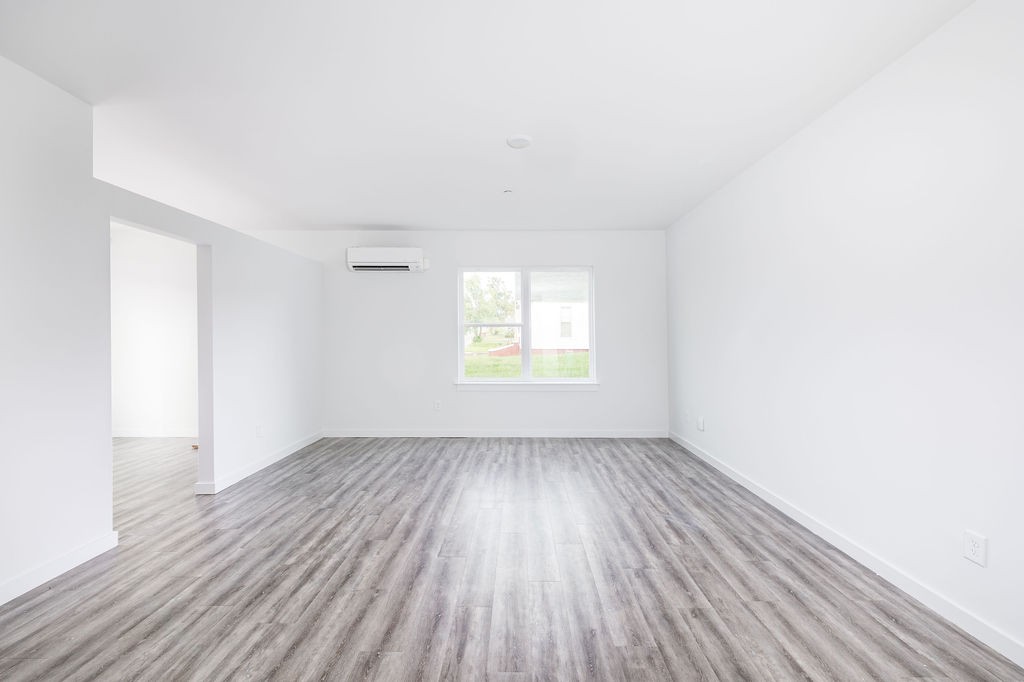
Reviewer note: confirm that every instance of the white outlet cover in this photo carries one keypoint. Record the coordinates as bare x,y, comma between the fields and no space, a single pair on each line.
975,547
700,423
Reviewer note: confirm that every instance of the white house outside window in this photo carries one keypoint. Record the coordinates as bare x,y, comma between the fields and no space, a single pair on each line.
526,325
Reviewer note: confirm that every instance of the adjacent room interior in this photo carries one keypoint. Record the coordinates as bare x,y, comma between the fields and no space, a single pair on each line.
154,359
641,341
154,335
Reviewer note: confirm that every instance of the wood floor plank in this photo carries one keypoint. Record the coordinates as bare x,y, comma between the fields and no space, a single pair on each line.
591,640
509,640
722,650
773,660
550,657
481,570
465,656
626,625
675,641
470,559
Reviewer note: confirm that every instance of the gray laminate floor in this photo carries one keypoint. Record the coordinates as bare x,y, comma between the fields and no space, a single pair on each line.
474,559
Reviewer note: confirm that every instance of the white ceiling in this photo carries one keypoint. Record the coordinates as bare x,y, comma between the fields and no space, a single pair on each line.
393,113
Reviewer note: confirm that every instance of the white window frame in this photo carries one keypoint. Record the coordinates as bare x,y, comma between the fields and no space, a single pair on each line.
525,335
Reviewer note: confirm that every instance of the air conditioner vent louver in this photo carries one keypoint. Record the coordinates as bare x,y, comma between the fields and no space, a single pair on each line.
386,259
395,268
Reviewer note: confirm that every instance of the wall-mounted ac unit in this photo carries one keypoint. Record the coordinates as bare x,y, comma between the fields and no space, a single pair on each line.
386,258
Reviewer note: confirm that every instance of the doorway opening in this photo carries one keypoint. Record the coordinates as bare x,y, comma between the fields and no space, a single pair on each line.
154,370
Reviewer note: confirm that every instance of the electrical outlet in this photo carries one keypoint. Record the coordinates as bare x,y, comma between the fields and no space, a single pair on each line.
700,423
259,430
437,406
975,547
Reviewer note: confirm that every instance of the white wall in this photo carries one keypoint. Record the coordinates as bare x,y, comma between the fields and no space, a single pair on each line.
848,315
55,467
153,339
392,338
260,320
263,309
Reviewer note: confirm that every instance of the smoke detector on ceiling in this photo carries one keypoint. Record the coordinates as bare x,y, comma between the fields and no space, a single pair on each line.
519,141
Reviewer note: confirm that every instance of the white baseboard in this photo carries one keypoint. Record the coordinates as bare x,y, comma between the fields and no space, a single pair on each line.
205,487
142,433
947,608
222,482
495,433
33,578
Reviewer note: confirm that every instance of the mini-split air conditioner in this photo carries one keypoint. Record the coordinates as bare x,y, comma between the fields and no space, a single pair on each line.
386,259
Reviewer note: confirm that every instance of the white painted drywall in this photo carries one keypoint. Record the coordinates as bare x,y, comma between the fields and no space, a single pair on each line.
55,504
848,315
392,338
260,308
264,308
154,347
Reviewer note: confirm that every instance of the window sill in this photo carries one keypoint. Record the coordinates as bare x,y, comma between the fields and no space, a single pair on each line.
542,386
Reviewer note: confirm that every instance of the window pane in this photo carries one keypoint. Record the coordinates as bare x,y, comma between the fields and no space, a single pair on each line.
492,352
560,324
491,297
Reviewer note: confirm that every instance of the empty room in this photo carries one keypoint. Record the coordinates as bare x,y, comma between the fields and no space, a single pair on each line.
651,340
